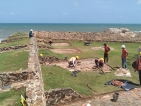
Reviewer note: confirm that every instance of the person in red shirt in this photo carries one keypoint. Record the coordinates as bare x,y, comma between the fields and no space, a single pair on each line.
50,42
106,52
123,56
138,67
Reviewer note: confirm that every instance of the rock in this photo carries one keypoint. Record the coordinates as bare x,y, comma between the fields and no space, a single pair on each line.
116,30
0,83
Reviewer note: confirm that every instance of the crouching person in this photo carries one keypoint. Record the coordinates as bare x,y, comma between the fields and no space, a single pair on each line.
100,64
73,61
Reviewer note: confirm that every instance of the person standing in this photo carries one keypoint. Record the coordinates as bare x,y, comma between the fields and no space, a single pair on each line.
138,67
124,56
106,52
50,42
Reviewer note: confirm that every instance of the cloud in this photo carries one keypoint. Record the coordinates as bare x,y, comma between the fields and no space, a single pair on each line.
64,13
139,2
75,4
12,13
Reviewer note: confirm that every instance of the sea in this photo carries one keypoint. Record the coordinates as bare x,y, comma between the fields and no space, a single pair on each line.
7,29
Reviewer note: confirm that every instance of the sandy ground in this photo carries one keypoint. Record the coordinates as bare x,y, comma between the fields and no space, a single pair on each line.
65,51
60,44
86,65
100,48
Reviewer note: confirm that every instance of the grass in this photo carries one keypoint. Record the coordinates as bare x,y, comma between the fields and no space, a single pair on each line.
12,97
57,77
24,41
47,52
13,60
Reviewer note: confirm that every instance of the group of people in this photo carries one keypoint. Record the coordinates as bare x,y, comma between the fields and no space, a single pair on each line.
100,61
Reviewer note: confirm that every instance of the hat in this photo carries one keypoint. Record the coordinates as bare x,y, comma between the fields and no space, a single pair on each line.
140,53
123,46
31,30
77,57
101,59
41,55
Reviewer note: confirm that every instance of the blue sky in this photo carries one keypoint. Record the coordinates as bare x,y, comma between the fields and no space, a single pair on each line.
70,11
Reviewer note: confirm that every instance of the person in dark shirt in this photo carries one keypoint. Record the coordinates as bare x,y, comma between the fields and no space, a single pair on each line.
31,33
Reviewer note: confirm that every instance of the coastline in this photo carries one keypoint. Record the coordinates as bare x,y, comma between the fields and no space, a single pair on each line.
1,39
7,29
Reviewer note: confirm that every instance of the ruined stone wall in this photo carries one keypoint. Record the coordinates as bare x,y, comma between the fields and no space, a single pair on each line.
61,96
35,87
94,36
12,48
13,77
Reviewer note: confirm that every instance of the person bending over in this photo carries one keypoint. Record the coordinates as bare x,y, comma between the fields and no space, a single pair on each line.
73,61
99,62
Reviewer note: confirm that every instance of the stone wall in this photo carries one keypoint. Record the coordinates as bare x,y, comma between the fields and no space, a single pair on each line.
117,36
12,39
12,48
61,96
13,77
35,95
35,88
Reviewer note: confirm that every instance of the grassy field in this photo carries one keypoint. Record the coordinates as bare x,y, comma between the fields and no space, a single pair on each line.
21,40
13,61
12,97
56,77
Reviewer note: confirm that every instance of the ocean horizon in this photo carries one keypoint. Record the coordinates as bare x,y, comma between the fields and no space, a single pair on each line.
7,29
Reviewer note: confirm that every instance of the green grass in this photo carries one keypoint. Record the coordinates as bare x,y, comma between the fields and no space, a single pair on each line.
47,52
13,60
24,41
17,43
56,77
12,97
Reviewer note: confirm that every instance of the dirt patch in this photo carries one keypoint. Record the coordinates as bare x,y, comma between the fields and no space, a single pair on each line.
100,48
60,44
65,51
85,65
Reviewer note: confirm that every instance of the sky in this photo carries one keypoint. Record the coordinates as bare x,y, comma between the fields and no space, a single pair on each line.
70,11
